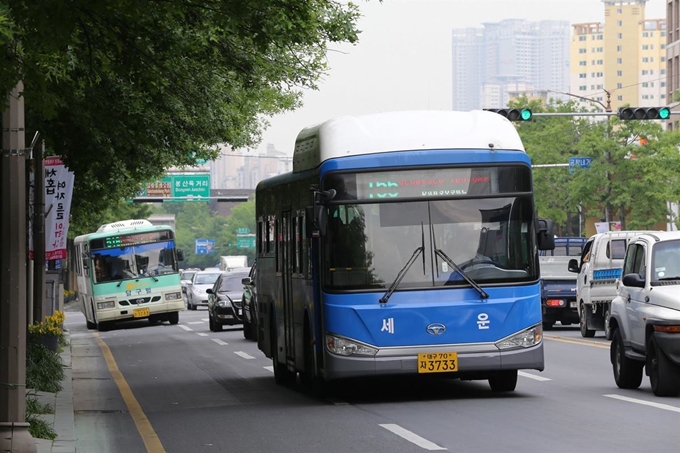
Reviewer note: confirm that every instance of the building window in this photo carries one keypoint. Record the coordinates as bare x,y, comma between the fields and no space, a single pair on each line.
645,96
645,84
645,60
619,10
663,84
600,61
663,72
582,50
619,98
619,23
645,72
600,37
619,61
582,63
619,85
619,48
582,38
645,47
663,96
619,36
645,34
619,73
582,88
582,76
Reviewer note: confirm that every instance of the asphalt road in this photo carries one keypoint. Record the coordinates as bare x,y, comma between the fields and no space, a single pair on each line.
185,389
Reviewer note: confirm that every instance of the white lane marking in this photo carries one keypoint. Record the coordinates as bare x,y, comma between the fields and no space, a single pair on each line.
188,329
269,368
205,320
665,407
244,355
195,322
202,334
337,402
533,376
412,437
220,342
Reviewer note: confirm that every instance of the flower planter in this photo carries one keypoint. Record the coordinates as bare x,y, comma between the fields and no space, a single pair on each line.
50,342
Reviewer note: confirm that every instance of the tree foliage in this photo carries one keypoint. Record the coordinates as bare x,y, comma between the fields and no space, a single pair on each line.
125,89
628,181
196,221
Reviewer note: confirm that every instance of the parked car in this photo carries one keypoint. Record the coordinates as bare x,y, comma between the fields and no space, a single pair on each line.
645,315
197,294
185,278
224,300
249,299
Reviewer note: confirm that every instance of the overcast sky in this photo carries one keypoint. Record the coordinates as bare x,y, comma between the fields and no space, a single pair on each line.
403,58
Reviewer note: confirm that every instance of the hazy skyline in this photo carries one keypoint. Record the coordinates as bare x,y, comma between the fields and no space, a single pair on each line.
403,58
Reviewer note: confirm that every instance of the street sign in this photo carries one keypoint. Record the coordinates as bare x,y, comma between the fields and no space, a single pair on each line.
205,246
246,241
579,162
180,187
242,230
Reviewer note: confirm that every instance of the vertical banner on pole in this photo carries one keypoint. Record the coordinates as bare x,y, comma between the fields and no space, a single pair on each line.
58,194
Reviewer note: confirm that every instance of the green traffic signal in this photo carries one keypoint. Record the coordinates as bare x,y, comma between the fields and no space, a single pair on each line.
513,114
644,113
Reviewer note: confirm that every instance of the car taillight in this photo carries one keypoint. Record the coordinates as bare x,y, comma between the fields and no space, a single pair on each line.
555,303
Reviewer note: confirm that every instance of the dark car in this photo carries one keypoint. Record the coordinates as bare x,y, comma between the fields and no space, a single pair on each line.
249,299
224,300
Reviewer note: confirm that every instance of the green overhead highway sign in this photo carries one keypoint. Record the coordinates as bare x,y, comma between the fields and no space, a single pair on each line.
178,187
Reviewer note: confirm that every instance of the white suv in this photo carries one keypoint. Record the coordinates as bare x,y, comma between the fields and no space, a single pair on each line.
645,316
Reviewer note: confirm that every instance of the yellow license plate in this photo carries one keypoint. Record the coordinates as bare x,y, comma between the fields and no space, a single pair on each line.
140,312
437,362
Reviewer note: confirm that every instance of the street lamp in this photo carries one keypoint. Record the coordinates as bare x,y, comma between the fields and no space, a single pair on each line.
607,108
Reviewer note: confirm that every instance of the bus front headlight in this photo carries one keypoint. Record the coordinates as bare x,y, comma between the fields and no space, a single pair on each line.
107,304
524,339
343,346
173,296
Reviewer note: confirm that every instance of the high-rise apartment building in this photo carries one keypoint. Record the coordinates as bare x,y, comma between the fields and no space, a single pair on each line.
673,51
621,61
500,57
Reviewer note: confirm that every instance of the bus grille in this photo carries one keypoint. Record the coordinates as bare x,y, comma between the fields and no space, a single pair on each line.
140,300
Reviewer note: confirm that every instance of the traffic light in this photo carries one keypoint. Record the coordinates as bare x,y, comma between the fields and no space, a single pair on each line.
513,114
644,113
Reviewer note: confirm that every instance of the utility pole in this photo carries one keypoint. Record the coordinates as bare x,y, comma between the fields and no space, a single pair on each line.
38,231
14,435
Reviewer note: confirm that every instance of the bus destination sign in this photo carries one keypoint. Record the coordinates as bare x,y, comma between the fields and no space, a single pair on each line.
127,240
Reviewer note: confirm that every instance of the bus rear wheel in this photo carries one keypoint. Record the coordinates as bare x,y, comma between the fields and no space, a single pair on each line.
173,317
282,375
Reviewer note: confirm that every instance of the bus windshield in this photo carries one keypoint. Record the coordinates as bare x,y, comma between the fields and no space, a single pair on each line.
143,260
489,239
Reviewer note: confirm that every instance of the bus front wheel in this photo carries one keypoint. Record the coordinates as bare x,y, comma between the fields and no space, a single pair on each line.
173,317
503,381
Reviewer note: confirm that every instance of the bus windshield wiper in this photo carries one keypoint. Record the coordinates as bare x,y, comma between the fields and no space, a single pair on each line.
401,274
472,283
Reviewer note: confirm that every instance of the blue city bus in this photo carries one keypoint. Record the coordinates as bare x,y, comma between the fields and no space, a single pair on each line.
402,243
128,270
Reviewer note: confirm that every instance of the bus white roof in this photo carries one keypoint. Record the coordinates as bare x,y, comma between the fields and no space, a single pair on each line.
124,224
403,131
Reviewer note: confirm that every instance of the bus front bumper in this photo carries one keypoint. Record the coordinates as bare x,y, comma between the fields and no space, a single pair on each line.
474,361
121,313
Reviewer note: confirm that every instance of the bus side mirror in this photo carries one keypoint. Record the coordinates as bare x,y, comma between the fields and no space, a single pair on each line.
545,235
180,255
321,219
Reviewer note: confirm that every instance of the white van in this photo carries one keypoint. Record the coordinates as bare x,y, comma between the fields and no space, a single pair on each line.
598,269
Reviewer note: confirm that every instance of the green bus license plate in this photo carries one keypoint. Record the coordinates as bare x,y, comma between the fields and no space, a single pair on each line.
140,312
438,362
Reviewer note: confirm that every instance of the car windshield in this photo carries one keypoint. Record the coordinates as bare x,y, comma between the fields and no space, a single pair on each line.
232,282
188,275
490,239
666,261
555,267
205,279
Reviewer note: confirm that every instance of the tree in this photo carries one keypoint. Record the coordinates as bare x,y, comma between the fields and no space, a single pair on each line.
628,182
124,90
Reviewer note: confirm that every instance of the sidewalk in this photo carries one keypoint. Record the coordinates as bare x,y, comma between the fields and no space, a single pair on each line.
63,418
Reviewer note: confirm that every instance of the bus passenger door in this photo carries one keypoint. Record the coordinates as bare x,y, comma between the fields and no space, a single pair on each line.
288,234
